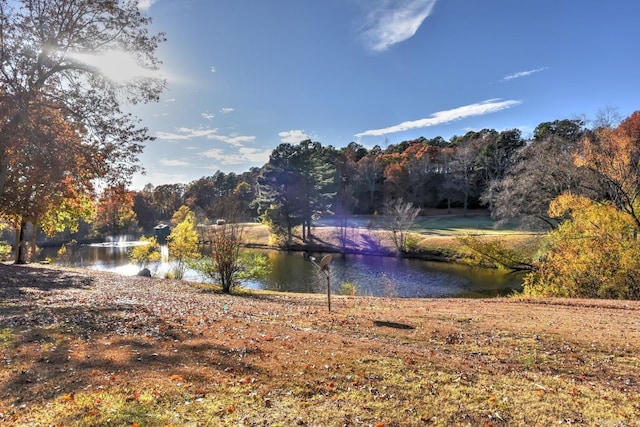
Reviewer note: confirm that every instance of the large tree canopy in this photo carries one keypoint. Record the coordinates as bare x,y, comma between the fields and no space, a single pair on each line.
56,104
45,64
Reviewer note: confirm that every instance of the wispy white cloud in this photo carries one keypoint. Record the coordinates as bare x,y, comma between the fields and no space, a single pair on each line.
184,134
394,21
241,156
145,4
174,162
293,136
523,74
442,117
213,69
227,110
233,139
207,115
168,136
233,152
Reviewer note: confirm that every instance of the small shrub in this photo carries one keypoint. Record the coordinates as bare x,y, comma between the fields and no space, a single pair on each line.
411,243
348,288
246,266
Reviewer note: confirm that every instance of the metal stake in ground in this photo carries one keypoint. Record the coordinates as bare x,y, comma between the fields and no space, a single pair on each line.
324,268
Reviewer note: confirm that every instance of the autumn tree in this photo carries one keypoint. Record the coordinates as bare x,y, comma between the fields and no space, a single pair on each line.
46,54
595,250
115,213
594,253
183,243
47,178
180,215
613,157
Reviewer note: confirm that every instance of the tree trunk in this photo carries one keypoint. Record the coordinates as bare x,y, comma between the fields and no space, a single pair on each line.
21,250
3,177
33,248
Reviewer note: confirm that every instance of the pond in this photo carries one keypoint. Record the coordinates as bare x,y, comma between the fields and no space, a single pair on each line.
295,272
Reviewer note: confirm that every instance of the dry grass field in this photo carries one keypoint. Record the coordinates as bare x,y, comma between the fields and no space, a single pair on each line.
83,348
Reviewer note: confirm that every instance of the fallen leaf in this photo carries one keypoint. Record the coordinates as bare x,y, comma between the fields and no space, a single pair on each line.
132,397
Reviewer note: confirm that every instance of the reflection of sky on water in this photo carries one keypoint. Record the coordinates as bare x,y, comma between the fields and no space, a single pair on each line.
294,272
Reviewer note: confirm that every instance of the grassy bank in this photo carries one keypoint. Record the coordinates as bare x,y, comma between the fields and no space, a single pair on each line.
95,349
433,236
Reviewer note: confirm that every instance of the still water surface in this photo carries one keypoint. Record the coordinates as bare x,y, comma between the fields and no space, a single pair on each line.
294,272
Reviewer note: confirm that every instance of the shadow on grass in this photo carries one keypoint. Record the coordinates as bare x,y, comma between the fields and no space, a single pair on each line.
15,278
63,345
394,325
85,348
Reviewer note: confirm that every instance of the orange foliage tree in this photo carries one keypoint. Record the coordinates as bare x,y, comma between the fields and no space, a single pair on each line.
48,174
614,156
115,213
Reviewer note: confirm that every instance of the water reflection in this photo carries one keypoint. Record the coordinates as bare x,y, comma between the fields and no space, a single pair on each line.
387,276
294,272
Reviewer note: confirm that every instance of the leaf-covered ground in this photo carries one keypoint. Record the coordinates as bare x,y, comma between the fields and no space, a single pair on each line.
88,348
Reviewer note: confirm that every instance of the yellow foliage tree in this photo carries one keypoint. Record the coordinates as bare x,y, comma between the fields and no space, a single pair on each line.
183,243
594,253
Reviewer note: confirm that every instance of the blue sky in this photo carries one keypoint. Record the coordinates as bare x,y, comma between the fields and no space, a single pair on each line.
245,75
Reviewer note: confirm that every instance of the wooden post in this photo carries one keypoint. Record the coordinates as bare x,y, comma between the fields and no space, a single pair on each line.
324,267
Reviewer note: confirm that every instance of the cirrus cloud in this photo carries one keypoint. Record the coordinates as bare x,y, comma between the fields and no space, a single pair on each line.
523,74
394,21
442,117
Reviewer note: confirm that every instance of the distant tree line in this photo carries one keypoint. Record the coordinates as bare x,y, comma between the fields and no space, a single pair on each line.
499,170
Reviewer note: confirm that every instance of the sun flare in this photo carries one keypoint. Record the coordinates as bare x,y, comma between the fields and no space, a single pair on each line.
116,65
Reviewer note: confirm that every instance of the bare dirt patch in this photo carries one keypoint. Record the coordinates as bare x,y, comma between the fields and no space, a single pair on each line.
88,348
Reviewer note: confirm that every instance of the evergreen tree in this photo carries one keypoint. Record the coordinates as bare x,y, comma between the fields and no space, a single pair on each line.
295,186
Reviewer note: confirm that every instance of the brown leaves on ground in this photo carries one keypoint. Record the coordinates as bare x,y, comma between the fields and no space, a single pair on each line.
92,348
